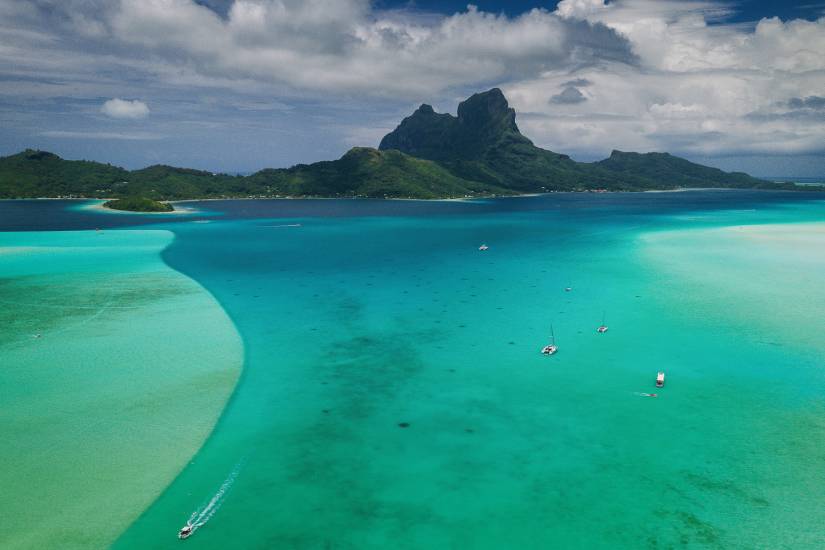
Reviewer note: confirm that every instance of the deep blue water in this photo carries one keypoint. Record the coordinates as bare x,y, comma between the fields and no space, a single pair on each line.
57,215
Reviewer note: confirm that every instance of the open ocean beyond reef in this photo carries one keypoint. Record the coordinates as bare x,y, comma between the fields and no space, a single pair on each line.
356,374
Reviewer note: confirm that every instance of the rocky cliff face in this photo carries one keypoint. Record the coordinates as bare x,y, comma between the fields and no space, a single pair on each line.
483,143
483,121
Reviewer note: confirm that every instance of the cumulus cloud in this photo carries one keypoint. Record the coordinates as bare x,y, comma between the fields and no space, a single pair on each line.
698,88
123,108
578,83
570,94
676,35
338,46
630,74
580,9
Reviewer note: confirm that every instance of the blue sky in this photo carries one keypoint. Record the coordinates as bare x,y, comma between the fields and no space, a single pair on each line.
747,10
238,85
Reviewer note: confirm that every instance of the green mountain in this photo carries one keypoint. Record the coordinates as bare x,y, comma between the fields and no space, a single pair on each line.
430,155
41,174
367,172
483,143
677,172
361,172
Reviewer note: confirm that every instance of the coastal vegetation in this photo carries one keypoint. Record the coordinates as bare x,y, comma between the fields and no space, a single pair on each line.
139,204
479,152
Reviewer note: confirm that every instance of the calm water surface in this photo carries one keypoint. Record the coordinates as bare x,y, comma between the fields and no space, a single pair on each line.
393,394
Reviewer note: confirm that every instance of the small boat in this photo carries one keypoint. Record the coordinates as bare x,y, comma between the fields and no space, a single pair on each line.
602,328
483,247
660,380
550,348
186,531
568,288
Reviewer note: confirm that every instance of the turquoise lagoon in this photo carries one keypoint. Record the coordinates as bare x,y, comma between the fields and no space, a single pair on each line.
393,394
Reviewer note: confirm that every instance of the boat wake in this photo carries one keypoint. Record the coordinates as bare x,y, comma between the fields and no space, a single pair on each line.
202,515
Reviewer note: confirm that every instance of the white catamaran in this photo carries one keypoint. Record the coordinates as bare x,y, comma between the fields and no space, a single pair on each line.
550,348
602,328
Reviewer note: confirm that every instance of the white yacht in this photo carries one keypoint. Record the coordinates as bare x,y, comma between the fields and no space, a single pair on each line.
186,531
483,247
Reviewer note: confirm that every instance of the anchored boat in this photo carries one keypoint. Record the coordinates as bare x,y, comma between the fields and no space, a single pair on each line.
660,380
550,348
483,247
602,328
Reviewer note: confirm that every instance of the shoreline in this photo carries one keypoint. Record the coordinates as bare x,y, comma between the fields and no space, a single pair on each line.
65,492
310,197
97,205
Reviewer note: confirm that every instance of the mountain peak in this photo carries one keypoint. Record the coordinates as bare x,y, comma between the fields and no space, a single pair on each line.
483,144
484,119
479,107
36,154
488,108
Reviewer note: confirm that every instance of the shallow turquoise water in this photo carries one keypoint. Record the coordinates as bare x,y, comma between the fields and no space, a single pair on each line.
369,315
354,325
103,350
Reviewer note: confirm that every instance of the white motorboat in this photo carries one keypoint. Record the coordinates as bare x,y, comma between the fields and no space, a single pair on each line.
660,380
186,531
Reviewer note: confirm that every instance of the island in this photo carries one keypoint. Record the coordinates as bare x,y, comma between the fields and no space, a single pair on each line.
479,152
139,204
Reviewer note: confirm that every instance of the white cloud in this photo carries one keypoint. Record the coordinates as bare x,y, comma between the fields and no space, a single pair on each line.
123,108
324,46
697,88
630,74
580,9
675,35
